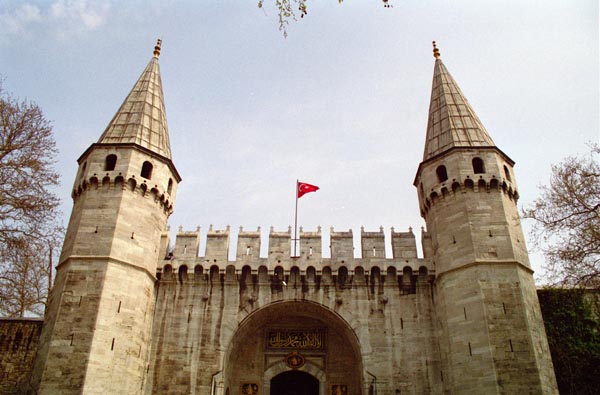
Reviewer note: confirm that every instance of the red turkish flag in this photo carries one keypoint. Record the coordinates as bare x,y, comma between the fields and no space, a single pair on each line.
304,188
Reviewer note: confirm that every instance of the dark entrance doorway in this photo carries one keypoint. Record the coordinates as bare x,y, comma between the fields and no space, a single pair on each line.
294,382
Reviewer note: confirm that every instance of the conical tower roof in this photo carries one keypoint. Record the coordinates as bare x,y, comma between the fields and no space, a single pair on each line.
142,118
452,120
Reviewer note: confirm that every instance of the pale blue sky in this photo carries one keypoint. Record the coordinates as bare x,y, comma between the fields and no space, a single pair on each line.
341,103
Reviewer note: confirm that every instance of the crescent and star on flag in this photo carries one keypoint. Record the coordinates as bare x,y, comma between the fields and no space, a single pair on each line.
304,188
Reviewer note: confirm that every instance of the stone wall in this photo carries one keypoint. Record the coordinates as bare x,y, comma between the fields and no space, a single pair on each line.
19,339
213,315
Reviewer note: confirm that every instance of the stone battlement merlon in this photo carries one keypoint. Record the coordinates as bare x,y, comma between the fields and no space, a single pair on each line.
279,249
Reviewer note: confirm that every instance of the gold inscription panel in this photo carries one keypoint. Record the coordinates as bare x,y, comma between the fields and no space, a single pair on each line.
306,339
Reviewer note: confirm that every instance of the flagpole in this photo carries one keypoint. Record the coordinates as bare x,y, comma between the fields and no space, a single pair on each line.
296,221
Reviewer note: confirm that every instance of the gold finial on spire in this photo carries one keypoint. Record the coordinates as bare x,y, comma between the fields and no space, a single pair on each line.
157,48
436,51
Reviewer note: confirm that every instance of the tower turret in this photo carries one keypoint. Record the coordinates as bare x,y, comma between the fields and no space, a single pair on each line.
492,337
99,318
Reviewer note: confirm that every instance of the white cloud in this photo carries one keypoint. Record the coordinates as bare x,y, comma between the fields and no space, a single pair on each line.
61,18
80,14
16,22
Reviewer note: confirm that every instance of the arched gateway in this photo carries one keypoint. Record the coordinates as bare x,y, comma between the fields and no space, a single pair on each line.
293,347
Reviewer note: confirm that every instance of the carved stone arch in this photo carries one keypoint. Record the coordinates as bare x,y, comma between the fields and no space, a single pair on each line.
167,272
375,279
391,276
294,279
230,273
94,182
342,276
214,276
281,367
106,182
278,273
341,344
423,277
246,278
481,185
119,181
469,184
263,274
455,187
198,273
494,184
131,184
143,188
182,274
326,277
311,275
359,275
407,280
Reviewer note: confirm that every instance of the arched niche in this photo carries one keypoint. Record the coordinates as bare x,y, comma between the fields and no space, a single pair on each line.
256,355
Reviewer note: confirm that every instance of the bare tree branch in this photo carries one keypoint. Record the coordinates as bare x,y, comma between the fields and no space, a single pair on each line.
567,221
28,207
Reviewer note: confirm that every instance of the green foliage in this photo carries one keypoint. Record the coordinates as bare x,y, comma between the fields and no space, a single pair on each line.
573,330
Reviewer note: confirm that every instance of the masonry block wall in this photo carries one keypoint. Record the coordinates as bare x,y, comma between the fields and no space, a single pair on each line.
203,302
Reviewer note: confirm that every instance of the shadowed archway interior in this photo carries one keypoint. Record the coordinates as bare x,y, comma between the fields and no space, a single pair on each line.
294,382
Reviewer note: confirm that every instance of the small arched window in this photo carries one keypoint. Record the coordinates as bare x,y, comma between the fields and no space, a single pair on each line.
170,186
147,170
110,163
441,173
507,173
478,166
83,169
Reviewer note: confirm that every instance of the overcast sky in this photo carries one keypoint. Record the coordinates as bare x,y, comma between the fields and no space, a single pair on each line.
341,103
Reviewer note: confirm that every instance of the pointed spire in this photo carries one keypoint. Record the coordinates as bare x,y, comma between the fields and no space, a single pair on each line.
452,120
142,119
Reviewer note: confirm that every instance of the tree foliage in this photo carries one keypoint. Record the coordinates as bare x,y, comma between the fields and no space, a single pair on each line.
573,331
28,207
288,10
567,221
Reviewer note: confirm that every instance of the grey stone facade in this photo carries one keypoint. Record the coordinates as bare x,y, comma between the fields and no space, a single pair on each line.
129,315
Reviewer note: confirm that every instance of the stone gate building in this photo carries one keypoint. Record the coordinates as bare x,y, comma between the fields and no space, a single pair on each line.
129,316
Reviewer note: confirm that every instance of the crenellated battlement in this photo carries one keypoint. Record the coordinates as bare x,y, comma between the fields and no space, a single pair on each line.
309,257
141,188
478,183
